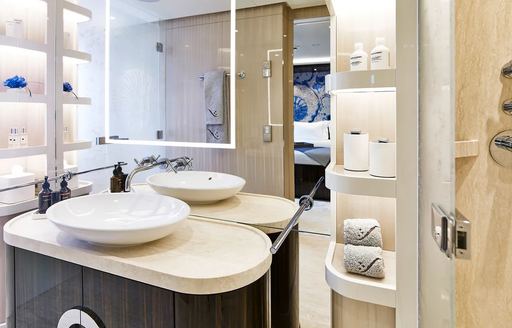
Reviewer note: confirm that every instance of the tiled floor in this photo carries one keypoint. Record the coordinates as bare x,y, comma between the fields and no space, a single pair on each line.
314,292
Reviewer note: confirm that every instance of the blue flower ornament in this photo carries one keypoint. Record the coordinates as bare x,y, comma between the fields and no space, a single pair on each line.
17,82
66,87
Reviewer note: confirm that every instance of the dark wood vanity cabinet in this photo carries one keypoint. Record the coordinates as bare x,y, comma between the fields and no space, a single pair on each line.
41,289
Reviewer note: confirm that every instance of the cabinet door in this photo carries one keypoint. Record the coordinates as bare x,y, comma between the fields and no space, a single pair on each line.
124,303
45,288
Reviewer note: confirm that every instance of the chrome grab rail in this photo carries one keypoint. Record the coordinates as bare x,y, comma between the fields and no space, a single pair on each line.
306,203
68,175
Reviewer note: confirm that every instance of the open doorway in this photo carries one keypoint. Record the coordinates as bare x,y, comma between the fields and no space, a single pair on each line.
311,113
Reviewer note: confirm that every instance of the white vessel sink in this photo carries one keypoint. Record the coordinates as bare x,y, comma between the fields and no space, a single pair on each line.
119,219
196,187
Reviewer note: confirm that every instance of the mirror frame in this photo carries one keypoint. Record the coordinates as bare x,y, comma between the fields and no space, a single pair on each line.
232,100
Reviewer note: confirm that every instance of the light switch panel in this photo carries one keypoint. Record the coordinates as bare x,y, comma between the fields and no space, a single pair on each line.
267,69
267,133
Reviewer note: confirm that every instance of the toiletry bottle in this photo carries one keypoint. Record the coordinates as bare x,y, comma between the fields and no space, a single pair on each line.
123,176
23,137
380,58
55,197
10,140
15,138
65,192
116,184
45,197
359,58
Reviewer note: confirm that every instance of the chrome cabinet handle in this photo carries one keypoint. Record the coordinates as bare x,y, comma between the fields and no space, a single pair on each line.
507,106
506,71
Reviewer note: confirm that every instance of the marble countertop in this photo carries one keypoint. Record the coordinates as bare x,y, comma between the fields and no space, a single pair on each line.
202,257
269,214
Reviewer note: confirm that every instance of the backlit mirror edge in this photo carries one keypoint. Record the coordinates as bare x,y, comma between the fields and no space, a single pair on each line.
232,100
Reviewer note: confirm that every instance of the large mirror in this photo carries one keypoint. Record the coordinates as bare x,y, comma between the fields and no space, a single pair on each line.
170,73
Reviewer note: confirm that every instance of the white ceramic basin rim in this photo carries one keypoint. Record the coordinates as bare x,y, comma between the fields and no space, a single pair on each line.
196,186
119,219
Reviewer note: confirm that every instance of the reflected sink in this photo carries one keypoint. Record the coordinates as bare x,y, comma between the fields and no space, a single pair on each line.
119,219
196,187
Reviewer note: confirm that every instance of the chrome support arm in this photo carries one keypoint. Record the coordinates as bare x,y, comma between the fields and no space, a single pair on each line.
306,203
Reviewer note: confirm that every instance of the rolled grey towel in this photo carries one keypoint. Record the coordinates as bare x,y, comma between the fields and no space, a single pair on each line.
362,232
364,260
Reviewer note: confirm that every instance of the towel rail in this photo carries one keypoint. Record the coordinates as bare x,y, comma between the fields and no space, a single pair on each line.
306,203
240,75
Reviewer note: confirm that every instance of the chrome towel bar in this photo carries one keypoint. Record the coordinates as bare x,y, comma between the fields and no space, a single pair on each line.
306,203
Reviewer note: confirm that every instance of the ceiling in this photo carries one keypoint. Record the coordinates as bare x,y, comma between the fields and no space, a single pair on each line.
311,41
170,9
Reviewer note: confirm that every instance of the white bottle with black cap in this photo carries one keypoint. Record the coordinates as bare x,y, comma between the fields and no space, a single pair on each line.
355,151
383,158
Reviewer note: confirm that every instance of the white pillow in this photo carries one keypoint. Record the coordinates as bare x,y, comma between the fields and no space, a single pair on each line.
314,131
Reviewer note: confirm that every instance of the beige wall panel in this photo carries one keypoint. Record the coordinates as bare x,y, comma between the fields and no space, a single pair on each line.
484,284
311,12
349,313
261,164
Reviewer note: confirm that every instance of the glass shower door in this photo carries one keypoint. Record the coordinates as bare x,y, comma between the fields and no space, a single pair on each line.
437,160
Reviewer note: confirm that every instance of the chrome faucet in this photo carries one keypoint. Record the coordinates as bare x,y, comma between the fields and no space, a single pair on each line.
147,163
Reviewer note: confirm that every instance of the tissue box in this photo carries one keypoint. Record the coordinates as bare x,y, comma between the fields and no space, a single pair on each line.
16,195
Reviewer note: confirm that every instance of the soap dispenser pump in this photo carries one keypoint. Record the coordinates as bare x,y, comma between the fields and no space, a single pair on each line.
116,182
65,192
45,197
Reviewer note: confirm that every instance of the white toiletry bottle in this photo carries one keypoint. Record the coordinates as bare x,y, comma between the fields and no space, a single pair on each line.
10,140
23,137
359,58
380,58
16,138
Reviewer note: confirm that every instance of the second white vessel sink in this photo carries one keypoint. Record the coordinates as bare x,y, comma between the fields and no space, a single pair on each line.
197,187
119,219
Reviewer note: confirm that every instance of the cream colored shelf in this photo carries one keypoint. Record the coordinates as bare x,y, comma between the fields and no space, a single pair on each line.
362,81
85,187
6,153
466,148
79,57
76,13
361,288
71,100
22,44
76,145
358,183
22,97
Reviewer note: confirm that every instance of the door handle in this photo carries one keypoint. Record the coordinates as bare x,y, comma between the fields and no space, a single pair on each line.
452,234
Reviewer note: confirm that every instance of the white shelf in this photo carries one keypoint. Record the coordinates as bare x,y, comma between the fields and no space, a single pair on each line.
22,97
76,13
76,145
6,153
79,57
22,44
85,187
361,288
362,81
358,183
71,100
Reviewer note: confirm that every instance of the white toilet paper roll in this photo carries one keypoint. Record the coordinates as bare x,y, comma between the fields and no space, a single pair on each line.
383,159
355,151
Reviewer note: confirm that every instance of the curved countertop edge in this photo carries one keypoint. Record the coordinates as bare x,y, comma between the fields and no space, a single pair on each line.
185,285
276,225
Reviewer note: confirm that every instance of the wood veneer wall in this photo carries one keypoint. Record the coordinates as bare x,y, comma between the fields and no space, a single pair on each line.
267,167
483,189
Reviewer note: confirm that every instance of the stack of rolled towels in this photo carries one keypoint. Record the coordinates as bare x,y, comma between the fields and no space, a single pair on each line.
363,247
